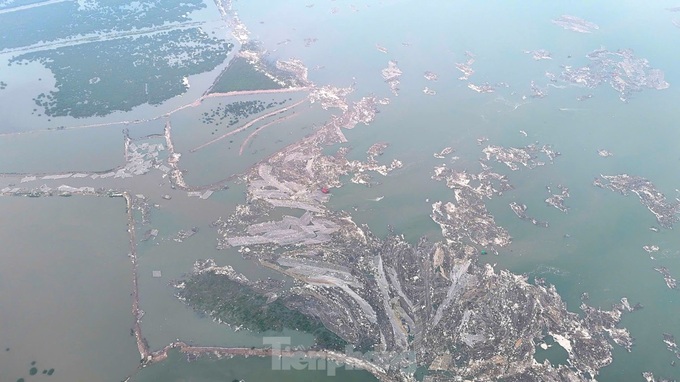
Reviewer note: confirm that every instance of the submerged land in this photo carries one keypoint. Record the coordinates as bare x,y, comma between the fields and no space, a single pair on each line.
438,300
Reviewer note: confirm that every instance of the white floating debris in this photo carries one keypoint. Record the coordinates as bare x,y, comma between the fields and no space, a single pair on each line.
78,190
562,341
156,274
651,248
206,194
540,54
431,76
446,151
604,153
429,91
57,176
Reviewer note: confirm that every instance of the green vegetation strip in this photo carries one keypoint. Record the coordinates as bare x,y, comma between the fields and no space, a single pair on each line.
236,111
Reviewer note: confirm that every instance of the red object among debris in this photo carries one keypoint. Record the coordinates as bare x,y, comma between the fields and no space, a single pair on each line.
325,190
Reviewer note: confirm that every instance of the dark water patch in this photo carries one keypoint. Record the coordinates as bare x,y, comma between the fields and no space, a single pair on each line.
241,75
551,351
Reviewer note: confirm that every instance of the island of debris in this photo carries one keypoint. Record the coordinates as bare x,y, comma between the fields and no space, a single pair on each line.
388,294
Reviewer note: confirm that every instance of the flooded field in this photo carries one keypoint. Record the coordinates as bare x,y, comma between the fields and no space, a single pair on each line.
65,290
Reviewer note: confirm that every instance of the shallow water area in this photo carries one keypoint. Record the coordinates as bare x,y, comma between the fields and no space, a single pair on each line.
167,318
65,151
236,153
205,369
202,123
65,299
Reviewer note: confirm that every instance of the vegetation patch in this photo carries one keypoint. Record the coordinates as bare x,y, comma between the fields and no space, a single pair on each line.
234,112
72,19
98,78
241,75
238,304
